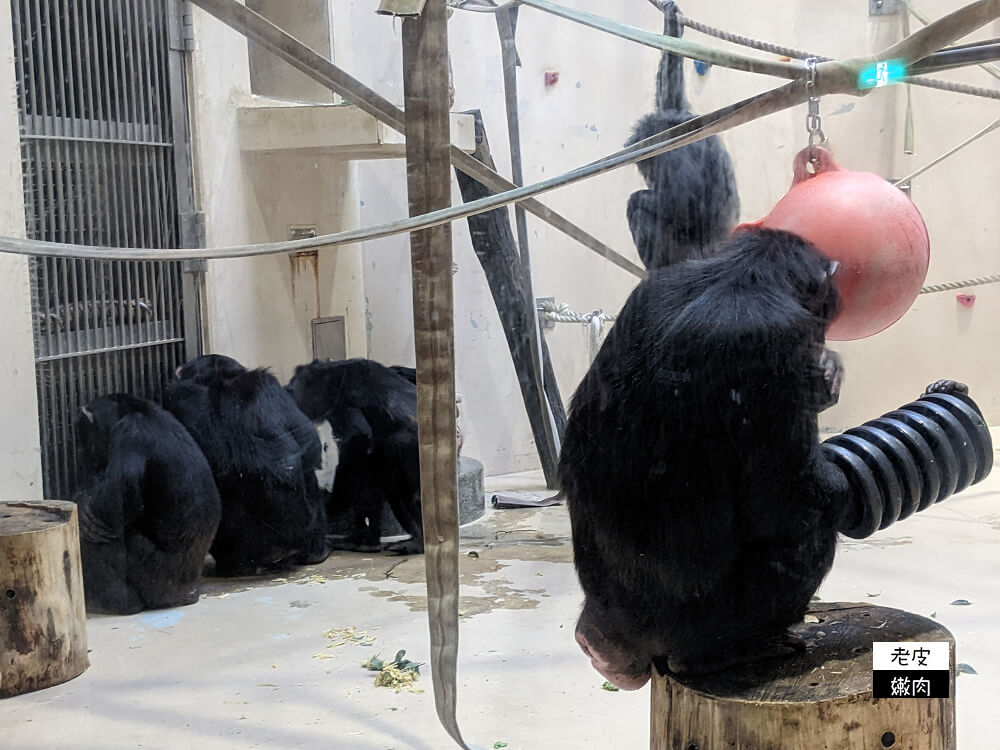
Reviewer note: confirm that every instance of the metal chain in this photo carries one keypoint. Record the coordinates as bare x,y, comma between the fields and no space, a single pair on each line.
814,124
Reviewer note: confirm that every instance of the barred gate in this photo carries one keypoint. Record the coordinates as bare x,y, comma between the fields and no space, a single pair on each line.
105,161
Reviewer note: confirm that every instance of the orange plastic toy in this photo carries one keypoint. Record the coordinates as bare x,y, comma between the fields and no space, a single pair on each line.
871,227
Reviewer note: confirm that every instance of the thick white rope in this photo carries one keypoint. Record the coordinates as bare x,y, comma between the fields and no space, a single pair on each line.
560,312
949,285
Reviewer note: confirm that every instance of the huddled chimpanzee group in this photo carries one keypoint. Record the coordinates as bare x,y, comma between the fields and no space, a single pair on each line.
233,465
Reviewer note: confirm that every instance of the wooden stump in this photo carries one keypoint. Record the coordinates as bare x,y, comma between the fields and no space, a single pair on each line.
819,700
43,620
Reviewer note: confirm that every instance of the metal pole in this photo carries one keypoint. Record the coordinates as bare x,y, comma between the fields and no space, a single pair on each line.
505,25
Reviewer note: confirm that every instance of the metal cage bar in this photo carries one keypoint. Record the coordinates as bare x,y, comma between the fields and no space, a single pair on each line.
98,131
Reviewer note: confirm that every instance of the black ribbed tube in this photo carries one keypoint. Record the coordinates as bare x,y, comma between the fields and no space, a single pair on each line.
909,459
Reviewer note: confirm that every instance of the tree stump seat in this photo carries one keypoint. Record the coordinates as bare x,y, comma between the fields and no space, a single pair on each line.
820,699
43,619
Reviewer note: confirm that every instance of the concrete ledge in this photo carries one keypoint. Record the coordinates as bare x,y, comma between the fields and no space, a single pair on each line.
338,130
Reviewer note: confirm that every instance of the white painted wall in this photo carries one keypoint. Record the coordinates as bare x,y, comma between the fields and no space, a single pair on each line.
605,85
260,310
20,454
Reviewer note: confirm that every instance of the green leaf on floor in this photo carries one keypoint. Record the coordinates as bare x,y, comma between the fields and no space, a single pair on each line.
609,687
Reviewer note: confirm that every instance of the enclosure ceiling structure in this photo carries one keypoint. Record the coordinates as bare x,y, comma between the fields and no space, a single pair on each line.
832,77
942,60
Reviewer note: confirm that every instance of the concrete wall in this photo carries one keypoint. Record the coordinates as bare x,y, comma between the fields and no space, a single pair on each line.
562,127
260,310
257,314
20,455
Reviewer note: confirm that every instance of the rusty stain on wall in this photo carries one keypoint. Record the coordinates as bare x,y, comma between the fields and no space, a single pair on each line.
306,262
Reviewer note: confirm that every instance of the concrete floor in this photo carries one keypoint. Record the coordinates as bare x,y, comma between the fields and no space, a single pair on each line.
249,665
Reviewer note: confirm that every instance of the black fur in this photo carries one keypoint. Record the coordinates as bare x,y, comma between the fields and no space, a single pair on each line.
148,507
264,454
372,410
703,511
407,373
691,202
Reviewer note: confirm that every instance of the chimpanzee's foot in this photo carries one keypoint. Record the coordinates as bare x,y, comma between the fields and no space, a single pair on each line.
783,645
947,386
314,556
411,546
362,538
620,667
352,545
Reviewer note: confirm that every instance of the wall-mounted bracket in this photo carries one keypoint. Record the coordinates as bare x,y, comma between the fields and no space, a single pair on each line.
544,323
886,7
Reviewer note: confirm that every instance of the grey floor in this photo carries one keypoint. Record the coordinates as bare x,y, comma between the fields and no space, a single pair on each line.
249,666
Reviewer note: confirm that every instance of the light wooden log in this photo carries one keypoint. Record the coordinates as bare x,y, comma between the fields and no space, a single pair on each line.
43,620
818,700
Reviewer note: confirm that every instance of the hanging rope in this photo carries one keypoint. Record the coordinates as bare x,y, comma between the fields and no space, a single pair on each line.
975,136
777,49
745,41
560,312
949,285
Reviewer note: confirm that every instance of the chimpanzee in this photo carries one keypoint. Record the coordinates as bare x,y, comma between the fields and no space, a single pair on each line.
148,507
703,511
371,410
264,454
691,202
409,373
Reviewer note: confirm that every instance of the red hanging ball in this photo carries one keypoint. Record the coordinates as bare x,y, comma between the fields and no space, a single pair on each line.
871,227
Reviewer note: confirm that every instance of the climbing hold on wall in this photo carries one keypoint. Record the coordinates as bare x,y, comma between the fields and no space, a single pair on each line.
966,300
867,224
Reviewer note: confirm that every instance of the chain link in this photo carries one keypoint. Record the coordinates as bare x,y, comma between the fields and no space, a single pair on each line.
814,123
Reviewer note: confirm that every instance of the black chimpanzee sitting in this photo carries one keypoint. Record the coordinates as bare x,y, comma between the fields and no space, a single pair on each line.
148,507
704,514
264,454
371,410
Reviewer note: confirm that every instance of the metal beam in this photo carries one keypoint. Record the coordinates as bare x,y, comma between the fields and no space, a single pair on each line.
301,57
